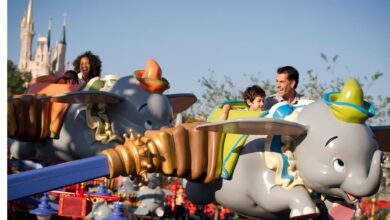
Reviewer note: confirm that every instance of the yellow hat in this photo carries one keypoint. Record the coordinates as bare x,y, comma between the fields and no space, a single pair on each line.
348,105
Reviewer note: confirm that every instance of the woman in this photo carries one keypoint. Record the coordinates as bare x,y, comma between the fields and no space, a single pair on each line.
88,66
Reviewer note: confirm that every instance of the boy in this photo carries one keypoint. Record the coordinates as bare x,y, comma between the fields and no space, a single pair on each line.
233,143
254,97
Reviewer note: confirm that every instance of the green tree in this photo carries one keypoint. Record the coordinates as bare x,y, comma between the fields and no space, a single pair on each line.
214,92
16,81
316,89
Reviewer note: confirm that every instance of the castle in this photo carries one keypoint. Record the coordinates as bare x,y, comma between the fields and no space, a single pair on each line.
42,63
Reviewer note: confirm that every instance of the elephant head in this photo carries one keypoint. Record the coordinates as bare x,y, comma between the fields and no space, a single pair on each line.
339,155
139,100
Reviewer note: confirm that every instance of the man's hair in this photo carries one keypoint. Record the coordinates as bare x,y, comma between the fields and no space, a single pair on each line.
252,92
292,74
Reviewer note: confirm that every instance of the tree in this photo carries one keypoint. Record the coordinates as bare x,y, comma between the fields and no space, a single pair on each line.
215,92
316,89
16,81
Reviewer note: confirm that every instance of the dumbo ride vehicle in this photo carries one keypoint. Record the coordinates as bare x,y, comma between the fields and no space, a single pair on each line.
280,165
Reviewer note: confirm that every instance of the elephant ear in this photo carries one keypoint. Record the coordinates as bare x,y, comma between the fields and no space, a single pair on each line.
256,126
86,97
382,136
181,101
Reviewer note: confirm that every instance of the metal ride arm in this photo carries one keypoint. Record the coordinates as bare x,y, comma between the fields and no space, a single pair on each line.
134,154
162,151
42,180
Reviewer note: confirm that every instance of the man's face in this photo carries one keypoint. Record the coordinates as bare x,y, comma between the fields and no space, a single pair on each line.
284,86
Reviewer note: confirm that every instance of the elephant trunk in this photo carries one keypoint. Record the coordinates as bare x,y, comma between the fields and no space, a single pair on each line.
370,185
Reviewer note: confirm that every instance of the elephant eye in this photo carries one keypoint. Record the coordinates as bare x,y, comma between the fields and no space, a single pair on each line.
170,122
338,165
148,125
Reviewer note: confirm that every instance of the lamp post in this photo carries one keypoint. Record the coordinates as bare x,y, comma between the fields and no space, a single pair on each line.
117,214
44,211
102,191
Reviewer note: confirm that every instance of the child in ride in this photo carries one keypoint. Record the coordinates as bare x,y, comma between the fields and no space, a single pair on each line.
254,97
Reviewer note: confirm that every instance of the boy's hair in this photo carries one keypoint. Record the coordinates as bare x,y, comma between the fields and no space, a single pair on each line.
252,92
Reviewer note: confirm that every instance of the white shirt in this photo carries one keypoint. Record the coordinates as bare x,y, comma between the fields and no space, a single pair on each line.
82,82
273,99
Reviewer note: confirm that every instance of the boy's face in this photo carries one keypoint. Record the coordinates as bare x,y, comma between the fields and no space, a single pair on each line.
257,104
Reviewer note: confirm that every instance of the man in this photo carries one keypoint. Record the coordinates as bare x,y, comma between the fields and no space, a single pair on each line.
287,79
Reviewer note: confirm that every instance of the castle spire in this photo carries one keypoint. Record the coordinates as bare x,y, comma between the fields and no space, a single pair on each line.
49,33
24,16
62,40
29,12
26,37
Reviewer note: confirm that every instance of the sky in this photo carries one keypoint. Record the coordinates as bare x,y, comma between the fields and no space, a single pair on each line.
191,39
195,39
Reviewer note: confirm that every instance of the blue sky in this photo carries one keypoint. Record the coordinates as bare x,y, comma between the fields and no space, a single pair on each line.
232,38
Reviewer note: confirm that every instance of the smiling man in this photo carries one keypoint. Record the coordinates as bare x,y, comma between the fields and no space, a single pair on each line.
287,79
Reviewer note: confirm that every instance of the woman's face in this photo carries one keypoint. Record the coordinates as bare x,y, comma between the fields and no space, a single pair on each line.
85,66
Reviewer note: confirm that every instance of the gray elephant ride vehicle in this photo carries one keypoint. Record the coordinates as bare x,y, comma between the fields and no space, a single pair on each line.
280,164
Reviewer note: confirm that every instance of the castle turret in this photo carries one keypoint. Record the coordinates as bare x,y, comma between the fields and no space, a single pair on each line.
48,34
58,62
41,64
26,36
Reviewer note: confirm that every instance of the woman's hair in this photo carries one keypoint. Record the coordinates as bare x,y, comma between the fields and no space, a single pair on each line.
94,61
